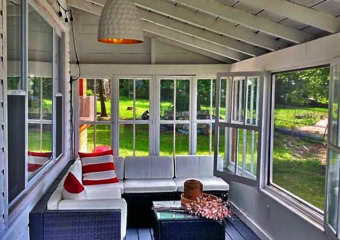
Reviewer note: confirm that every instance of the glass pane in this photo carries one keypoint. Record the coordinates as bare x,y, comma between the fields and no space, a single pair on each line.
86,100
34,97
204,99
126,97
39,147
34,143
223,99
167,100
103,93
47,98
204,139
182,100
252,101
300,133
238,104
247,153
40,45
182,139
47,138
333,189
60,65
142,140
334,127
126,140
86,138
166,140
103,138
14,44
142,100
222,160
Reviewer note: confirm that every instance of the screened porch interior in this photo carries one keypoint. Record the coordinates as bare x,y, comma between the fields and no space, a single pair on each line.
247,92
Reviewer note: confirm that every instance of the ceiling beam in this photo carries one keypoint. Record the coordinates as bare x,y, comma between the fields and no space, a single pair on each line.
238,16
192,41
176,36
299,13
207,22
202,34
184,28
189,48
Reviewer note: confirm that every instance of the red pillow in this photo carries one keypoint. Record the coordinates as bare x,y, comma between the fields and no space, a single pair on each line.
98,168
73,189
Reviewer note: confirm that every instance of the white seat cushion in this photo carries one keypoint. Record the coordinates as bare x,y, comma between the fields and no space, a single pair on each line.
209,184
194,166
103,193
53,202
119,166
118,185
149,167
149,186
95,205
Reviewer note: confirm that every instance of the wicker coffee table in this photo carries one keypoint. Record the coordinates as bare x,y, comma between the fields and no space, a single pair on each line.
170,225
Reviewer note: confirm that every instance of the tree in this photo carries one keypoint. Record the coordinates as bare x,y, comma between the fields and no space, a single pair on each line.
100,86
300,87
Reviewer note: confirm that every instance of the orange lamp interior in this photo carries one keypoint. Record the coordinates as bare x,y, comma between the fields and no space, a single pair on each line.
119,41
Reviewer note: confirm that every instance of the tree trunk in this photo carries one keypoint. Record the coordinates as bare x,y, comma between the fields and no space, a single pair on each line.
102,99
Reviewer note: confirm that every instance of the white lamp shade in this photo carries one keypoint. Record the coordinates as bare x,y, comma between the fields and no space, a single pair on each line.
120,23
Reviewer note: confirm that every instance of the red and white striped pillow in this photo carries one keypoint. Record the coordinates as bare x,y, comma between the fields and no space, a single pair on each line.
98,168
73,187
37,159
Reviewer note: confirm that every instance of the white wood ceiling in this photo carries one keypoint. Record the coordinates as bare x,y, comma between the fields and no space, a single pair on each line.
232,29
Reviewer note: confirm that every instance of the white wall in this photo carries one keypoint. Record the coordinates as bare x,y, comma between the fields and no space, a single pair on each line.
273,218
92,52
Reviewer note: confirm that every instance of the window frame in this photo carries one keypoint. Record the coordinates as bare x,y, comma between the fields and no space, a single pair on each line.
260,128
209,121
314,215
333,233
94,122
23,91
134,122
174,122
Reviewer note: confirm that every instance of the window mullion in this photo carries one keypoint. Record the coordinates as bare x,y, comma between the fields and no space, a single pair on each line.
175,116
210,116
252,122
134,119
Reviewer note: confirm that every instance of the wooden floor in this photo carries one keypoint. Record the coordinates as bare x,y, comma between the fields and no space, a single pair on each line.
235,230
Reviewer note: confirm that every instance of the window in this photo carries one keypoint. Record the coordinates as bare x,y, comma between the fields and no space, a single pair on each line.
14,48
206,112
39,88
333,172
59,99
95,115
134,116
300,134
239,126
175,116
34,67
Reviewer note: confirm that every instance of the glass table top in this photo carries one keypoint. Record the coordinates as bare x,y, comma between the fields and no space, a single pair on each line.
171,210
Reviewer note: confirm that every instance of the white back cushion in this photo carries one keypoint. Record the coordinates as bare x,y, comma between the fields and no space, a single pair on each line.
194,166
119,167
149,167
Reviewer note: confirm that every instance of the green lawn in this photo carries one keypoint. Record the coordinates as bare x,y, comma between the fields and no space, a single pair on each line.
292,118
298,167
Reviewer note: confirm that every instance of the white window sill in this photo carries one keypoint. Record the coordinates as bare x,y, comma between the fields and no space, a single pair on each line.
307,213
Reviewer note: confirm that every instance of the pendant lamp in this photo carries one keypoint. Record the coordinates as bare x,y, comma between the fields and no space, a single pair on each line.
120,23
